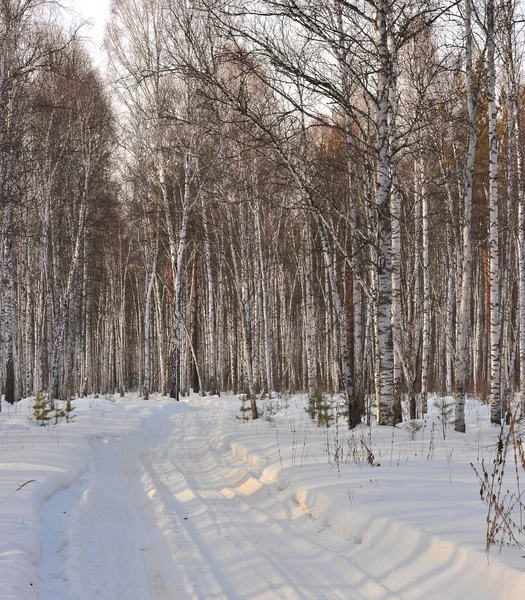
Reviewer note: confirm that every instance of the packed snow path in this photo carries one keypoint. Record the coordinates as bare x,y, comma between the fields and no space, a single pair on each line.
165,514
97,534
172,501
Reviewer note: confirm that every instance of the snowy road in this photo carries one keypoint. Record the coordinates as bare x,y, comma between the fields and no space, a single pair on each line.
162,500
165,513
97,540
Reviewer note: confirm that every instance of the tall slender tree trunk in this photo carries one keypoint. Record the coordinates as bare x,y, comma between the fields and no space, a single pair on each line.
452,257
265,304
8,303
384,242
177,257
426,287
151,274
311,354
64,305
211,347
466,274
514,85
395,212
195,374
495,318
161,338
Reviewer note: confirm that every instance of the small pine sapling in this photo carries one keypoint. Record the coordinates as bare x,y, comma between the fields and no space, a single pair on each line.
68,411
270,409
58,413
320,408
446,411
324,413
42,409
313,401
413,428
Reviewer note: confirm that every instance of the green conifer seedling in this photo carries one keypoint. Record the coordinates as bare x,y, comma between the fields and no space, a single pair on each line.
42,409
68,411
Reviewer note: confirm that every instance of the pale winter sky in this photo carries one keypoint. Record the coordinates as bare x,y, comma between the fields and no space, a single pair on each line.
97,12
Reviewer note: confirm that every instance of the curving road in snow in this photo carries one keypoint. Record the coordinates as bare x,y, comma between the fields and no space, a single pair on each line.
189,503
165,514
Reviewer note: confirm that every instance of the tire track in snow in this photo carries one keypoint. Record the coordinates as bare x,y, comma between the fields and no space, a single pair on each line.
235,533
96,539
165,514
55,518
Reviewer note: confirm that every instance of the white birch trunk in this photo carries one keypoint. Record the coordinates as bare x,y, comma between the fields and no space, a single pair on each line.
176,257
265,306
514,100
466,274
177,286
452,257
8,300
495,317
61,320
383,183
395,214
151,274
311,358
211,347
426,289
240,277
161,337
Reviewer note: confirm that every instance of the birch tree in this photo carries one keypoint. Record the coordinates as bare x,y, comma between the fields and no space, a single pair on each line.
466,273
495,343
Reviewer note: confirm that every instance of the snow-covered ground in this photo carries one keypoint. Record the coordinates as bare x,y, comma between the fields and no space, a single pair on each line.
162,500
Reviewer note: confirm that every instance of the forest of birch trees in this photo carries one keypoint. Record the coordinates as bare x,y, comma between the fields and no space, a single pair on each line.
266,195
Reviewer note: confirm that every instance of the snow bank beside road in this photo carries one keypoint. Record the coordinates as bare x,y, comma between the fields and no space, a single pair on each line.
415,511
